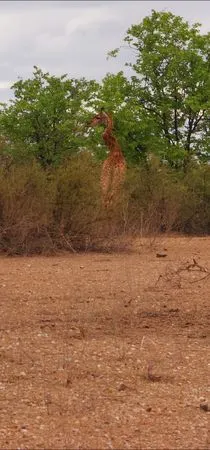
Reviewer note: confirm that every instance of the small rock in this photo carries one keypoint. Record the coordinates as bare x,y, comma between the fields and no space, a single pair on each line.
122,387
22,374
161,254
154,378
149,409
205,406
68,381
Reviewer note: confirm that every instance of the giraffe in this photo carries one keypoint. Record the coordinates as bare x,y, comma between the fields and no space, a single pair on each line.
114,166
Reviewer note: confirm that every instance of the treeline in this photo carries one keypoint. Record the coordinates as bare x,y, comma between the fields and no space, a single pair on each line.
50,161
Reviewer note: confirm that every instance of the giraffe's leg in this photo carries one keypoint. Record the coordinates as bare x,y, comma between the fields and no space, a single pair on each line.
106,176
117,180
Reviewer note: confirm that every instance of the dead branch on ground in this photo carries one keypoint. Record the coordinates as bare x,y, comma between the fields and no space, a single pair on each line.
175,275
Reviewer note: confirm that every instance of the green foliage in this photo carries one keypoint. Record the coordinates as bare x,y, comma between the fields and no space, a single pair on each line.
47,115
172,83
113,95
132,131
113,53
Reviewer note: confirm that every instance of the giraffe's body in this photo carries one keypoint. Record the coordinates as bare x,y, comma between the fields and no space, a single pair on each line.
114,167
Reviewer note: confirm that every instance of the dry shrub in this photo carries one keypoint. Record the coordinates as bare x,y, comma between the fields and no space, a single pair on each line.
77,205
162,200
154,200
26,205
45,211
195,208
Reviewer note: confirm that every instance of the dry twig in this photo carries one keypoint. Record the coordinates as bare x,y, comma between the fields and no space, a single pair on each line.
175,275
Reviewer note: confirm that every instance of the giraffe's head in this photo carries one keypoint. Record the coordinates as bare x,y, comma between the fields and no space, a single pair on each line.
101,118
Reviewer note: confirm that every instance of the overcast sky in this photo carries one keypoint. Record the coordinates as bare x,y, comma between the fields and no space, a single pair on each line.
74,36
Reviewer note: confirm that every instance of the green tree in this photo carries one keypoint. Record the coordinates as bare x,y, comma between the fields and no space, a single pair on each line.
47,115
172,83
116,96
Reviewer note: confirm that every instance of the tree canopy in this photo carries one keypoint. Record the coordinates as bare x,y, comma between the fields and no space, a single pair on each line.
172,83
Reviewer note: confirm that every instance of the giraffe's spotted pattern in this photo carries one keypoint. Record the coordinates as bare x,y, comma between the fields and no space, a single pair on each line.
114,167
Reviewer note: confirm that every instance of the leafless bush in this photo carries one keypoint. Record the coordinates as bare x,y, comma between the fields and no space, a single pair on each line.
47,211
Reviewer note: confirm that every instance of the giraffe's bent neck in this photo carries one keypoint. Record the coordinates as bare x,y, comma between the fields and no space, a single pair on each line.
108,124
110,141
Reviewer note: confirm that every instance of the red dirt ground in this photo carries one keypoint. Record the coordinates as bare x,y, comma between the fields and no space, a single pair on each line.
106,351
